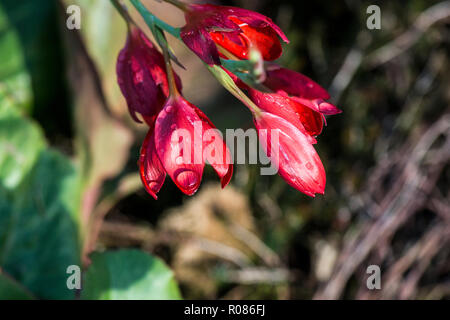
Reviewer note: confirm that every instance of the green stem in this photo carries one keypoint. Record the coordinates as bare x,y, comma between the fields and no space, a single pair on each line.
150,19
123,11
173,89
229,84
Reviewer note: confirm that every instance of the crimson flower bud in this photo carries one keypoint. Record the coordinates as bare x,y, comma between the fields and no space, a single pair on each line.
142,77
295,108
181,141
297,161
300,88
235,29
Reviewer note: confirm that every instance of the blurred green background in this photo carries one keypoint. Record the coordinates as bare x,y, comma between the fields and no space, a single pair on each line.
70,192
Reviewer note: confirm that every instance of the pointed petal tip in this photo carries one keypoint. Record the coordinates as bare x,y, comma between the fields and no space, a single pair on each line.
152,187
299,163
225,180
148,187
189,192
321,191
328,108
282,35
311,193
151,172
153,195
188,181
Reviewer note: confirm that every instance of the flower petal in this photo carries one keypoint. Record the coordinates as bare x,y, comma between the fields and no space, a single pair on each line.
135,82
318,105
264,39
200,42
294,84
178,139
300,88
200,21
298,162
255,20
141,75
306,120
150,168
206,23
215,149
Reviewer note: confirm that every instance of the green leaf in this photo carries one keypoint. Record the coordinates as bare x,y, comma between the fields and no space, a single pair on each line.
11,290
227,82
20,145
32,69
128,274
15,82
39,229
39,205
40,189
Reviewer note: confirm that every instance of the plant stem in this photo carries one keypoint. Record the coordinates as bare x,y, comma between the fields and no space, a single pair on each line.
151,19
173,90
123,11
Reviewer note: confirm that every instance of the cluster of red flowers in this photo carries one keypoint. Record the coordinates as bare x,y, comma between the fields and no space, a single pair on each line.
293,104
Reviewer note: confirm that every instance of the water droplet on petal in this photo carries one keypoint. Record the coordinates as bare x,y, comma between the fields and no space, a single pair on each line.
168,109
309,166
188,180
153,186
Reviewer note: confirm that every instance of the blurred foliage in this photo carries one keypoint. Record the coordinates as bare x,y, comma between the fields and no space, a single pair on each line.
128,275
39,191
36,33
42,231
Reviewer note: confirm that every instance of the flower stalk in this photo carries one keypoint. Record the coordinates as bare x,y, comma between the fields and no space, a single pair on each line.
173,90
151,20
123,11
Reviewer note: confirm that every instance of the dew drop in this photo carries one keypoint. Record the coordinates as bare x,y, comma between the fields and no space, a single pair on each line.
153,185
187,179
168,109
309,166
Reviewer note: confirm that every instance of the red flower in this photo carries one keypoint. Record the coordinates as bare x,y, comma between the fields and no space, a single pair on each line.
299,88
296,108
141,76
181,141
297,161
234,29
304,118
